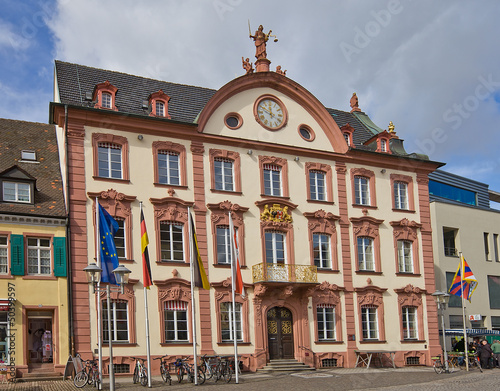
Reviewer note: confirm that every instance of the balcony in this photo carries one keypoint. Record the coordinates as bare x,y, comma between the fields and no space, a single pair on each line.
272,272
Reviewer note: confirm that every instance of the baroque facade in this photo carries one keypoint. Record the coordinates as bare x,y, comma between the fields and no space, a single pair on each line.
332,218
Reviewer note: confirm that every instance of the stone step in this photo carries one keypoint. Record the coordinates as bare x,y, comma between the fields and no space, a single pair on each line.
285,366
27,377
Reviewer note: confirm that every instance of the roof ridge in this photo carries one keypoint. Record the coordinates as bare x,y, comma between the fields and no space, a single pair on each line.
28,122
133,75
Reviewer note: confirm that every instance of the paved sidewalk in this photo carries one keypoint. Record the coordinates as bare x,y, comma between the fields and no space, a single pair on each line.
413,378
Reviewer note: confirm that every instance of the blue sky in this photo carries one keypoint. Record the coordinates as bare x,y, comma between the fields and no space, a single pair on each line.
430,67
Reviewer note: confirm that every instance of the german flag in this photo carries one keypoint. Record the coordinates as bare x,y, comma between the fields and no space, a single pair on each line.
200,276
146,267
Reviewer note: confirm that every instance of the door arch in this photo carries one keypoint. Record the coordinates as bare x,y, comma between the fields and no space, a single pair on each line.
280,333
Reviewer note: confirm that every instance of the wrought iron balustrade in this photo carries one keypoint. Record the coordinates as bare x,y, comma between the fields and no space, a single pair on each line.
275,272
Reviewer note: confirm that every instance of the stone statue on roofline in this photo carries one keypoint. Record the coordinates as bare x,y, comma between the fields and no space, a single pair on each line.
354,103
247,65
280,71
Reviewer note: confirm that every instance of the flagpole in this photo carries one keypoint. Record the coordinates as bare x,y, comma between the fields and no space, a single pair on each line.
233,278
466,345
146,319
99,332
191,252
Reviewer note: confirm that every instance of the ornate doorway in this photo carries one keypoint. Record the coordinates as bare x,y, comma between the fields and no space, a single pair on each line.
280,333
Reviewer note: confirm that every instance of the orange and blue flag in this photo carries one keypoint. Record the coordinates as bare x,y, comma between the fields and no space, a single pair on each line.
466,285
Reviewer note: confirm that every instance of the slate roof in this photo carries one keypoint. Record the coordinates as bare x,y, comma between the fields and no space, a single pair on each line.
186,102
41,138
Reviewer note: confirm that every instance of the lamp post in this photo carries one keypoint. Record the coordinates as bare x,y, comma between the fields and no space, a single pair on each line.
93,277
442,299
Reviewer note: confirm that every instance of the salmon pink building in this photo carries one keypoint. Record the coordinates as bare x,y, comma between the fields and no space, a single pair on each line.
332,218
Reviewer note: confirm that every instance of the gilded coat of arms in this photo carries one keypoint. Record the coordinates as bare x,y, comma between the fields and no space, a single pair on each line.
276,214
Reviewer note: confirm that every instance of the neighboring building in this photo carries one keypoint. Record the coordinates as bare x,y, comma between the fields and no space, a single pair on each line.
332,218
34,332
463,222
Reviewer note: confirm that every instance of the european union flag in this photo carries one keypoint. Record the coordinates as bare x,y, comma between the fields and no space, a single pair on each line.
109,260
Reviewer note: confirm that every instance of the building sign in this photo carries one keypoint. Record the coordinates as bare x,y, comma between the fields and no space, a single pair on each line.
474,318
4,305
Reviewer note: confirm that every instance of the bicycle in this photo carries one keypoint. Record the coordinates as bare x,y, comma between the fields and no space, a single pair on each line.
88,375
165,373
209,366
474,362
440,365
140,371
184,368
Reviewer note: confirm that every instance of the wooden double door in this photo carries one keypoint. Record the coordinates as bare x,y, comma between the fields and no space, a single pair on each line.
280,333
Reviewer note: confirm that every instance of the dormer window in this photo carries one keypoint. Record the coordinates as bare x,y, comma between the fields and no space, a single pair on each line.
28,155
347,131
105,96
347,139
158,102
16,192
383,145
17,186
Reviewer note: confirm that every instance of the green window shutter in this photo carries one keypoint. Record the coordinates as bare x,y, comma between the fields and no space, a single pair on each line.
17,255
60,257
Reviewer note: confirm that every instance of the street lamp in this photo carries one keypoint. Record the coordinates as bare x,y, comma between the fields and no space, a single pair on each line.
442,299
94,277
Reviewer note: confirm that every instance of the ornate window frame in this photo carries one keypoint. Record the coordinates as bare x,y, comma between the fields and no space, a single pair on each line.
174,289
371,296
159,96
327,293
117,205
220,216
370,175
175,210
405,229
283,163
348,130
97,95
367,227
409,189
327,169
321,222
411,296
222,294
235,158
112,139
171,147
129,297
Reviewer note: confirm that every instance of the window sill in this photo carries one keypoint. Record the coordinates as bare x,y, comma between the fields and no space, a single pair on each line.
125,260
274,197
167,185
368,272
226,266
364,206
172,263
326,342
320,202
33,277
232,343
183,343
413,341
401,274
118,343
226,192
331,271
99,178
372,341
6,277
403,210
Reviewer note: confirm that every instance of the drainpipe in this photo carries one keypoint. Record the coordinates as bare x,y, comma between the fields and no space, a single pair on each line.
71,336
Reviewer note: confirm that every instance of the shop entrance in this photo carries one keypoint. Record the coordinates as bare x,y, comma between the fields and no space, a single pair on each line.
40,338
280,333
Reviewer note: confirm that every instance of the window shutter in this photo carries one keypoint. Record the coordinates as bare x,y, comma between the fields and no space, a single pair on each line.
60,257
17,255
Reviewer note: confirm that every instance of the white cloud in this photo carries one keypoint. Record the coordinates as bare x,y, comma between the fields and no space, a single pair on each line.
11,40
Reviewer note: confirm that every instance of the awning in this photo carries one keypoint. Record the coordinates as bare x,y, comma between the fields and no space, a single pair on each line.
4,305
470,332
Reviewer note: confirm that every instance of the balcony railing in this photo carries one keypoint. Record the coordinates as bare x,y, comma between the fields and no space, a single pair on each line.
272,272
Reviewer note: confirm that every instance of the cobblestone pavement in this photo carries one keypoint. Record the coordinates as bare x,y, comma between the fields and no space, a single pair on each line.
415,379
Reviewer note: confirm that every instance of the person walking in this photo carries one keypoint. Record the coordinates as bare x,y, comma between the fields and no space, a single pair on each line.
485,353
495,347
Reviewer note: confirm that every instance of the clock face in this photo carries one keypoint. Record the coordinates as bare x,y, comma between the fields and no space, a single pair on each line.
270,113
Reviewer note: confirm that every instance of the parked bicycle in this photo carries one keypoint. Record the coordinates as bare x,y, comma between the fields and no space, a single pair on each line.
140,371
164,370
183,368
216,367
88,375
440,365
474,362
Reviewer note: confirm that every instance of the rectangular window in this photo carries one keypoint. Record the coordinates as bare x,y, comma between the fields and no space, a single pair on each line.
369,322
321,251
119,321
495,322
495,247
317,187
449,235
39,256
275,247
160,109
401,195
410,323
365,254
405,256
16,192
223,174
176,321
120,243
361,190
4,255
272,180
28,155
456,322
326,322
106,100
226,322
4,338
452,193
223,245
168,168
494,291
171,240
486,237
455,301
109,160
